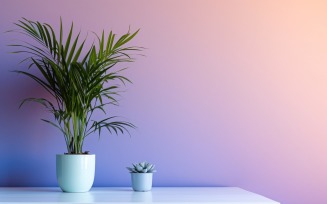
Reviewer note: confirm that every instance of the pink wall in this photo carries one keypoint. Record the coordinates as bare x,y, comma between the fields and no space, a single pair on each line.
230,93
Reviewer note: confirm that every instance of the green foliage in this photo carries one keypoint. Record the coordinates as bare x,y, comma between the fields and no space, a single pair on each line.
142,167
80,80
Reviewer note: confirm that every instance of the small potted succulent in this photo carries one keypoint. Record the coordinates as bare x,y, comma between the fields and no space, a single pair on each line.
141,174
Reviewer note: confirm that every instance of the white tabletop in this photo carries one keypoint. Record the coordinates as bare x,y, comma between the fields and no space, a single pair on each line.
171,195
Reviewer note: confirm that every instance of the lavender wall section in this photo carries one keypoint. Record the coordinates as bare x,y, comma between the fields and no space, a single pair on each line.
230,93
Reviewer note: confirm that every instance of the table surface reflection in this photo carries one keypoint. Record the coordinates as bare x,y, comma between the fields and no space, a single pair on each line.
221,195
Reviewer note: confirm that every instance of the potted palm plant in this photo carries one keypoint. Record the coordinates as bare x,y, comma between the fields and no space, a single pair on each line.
80,81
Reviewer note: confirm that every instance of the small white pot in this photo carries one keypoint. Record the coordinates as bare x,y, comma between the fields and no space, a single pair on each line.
75,173
142,181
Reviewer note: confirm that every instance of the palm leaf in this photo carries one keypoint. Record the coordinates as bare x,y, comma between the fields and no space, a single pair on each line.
80,80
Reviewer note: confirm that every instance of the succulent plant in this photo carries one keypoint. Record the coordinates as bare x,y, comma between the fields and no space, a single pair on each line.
142,167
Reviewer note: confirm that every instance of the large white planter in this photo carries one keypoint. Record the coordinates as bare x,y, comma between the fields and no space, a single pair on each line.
75,173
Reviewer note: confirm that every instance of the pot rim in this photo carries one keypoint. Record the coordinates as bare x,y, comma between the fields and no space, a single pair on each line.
75,154
141,173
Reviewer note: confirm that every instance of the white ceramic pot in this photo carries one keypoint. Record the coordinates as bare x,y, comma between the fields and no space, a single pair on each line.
75,173
141,181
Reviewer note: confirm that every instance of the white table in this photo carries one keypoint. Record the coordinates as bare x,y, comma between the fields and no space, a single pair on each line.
171,195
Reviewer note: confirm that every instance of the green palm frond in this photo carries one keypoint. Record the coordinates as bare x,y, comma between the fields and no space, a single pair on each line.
79,80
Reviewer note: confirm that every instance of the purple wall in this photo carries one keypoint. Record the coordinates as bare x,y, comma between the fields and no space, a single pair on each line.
230,93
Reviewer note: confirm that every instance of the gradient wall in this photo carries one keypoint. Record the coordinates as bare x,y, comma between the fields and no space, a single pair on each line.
230,93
